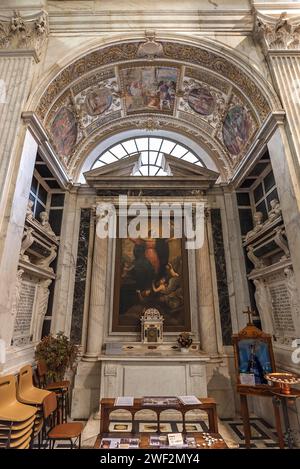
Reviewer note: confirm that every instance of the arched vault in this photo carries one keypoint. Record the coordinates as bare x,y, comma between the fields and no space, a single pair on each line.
201,90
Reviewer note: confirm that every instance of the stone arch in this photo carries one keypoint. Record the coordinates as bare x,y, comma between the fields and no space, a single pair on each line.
198,61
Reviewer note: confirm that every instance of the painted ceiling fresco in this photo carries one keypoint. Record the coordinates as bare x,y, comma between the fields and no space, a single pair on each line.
202,99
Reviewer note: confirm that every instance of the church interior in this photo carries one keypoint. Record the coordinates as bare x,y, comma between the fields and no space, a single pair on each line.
113,336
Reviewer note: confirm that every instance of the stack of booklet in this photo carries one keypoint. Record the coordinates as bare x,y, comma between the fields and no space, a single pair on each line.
172,440
119,443
189,400
160,400
170,401
126,401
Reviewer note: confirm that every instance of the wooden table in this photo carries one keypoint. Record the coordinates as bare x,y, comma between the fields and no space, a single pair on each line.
145,440
208,404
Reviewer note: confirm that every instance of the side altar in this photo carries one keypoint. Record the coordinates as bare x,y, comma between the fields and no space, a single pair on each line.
129,274
141,369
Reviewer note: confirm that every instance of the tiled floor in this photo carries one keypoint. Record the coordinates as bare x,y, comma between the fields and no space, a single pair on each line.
263,435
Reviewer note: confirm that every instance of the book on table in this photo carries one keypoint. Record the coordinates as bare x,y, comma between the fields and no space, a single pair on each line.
120,443
189,400
162,441
160,401
175,439
126,401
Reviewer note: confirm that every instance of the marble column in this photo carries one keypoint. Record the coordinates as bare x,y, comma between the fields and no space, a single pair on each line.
235,262
22,43
279,39
12,240
96,312
15,76
66,264
208,332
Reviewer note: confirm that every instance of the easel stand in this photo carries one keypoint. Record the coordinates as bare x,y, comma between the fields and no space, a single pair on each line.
256,336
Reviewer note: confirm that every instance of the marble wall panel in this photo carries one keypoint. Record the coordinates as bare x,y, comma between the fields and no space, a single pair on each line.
219,253
80,275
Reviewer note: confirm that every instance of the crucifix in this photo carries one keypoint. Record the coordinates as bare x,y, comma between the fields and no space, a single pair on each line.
250,314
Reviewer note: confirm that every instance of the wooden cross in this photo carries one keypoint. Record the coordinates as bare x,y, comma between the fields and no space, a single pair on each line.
250,313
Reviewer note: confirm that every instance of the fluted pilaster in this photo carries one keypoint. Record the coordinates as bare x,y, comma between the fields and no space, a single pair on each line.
97,299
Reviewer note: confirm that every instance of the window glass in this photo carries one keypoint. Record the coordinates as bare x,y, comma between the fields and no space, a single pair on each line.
258,192
262,208
269,181
150,151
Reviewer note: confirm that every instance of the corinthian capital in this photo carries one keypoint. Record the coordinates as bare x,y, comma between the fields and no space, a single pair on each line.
281,33
25,33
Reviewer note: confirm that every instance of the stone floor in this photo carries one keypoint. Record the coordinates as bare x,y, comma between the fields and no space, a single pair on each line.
231,429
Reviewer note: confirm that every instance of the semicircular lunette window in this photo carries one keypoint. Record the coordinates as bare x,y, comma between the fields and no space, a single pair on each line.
150,152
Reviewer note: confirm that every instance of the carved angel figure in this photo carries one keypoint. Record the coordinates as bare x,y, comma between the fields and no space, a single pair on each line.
44,219
258,224
275,211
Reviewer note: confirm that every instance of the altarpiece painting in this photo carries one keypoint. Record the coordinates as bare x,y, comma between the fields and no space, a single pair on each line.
151,272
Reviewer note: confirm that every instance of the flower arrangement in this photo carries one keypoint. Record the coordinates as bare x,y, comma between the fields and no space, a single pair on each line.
184,339
59,353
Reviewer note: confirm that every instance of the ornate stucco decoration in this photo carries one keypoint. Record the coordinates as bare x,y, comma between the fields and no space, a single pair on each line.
21,32
280,33
151,48
182,87
202,100
150,122
179,53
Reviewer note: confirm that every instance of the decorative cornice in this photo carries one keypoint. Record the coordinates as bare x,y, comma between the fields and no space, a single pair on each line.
98,20
155,121
280,33
24,33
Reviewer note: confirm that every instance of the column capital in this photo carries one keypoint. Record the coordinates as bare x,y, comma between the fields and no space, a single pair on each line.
21,35
277,33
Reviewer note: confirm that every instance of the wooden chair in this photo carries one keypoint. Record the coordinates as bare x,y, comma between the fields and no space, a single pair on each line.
64,431
61,389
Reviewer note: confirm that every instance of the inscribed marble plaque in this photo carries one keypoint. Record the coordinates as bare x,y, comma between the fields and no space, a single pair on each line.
21,334
282,308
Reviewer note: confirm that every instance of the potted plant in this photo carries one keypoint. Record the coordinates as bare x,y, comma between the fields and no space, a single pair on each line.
59,354
184,341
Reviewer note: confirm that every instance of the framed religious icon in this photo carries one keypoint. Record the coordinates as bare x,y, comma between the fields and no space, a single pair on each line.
253,355
151,272
254,359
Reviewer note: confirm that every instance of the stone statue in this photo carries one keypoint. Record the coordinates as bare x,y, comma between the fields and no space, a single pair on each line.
258,224
29,213
44,219
263,301
27,241
275,211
